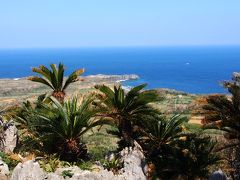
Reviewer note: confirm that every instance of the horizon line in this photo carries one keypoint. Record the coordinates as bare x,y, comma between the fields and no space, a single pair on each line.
123,46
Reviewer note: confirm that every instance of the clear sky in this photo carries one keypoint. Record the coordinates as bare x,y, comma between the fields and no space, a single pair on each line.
76,23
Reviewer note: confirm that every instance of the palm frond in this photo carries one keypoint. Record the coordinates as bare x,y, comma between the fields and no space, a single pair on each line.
72,78
40,80
54,76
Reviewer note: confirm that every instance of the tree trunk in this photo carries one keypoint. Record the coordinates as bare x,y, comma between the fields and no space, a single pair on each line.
126,132
59,95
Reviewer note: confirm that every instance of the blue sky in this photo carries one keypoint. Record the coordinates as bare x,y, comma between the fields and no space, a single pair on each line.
77,23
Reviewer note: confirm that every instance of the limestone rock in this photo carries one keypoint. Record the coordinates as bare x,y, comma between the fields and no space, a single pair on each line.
78,174
9,137
134,163
4,171
29,170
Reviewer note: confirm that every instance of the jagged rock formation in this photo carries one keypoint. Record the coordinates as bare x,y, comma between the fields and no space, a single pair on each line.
133,159
29,170
134,163
78,174
9,136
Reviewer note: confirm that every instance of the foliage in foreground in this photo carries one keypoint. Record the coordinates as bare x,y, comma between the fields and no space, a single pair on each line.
57,128
175,152
114,164
67,173
9,161
223,112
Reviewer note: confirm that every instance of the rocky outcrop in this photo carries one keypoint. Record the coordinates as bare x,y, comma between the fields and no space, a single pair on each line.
4,171
133,160
134,163
29,170
9,137
78,174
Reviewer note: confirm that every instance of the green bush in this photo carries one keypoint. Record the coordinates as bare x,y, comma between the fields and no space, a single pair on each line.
10,162
67,173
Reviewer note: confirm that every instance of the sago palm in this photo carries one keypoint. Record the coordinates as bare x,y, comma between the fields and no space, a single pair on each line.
158,131
223,112
54,78
175,151
126,109
190,158
59,128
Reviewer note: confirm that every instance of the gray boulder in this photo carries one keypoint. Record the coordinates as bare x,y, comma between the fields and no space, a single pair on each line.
4,171
78,174
29,170
9,137
133,160
134,163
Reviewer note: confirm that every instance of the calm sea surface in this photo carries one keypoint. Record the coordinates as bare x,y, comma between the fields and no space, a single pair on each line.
190,69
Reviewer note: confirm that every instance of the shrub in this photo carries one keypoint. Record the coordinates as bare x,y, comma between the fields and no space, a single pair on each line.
113,165
67,173
10,162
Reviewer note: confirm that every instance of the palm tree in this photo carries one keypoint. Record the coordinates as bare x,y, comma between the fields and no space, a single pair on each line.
54,78
126,109
175,152
59,128
223,111
193,157
159,131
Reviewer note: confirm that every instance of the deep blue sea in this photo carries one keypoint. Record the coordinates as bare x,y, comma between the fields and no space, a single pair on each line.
190,69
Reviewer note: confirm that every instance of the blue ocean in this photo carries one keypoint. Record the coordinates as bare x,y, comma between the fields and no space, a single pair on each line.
195,69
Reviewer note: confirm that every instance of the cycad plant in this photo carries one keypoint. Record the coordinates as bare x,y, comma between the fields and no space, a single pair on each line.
194,157
126,109
176,152
54,78
159,134
59,128
223,111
